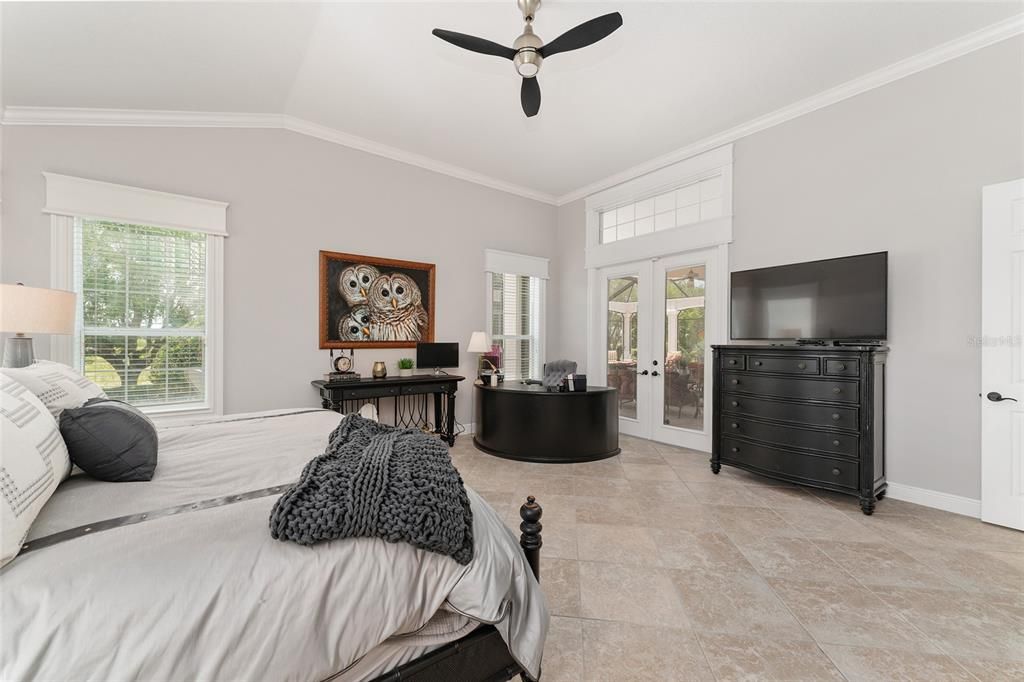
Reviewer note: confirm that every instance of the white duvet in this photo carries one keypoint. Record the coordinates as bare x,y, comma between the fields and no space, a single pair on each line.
209,595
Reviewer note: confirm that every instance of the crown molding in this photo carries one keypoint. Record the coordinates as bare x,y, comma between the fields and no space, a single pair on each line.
990,35
144,118
304,127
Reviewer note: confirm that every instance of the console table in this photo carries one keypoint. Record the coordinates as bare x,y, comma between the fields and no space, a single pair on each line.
529,423
409,394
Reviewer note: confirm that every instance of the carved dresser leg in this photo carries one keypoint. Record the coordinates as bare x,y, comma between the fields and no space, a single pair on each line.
867,505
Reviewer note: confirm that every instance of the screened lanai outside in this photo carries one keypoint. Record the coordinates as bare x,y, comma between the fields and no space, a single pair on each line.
684,347
622,341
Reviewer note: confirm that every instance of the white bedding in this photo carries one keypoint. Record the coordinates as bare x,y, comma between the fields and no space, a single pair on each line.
208,594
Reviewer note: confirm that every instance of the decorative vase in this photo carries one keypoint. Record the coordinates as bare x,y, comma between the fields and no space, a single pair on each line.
380,370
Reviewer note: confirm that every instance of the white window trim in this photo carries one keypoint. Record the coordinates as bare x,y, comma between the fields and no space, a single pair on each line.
69,197
698,235
509,263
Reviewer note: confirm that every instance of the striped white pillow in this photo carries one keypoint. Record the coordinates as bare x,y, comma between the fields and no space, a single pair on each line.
33,460
58,386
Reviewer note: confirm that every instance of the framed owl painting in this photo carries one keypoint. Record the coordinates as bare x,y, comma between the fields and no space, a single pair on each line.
368,302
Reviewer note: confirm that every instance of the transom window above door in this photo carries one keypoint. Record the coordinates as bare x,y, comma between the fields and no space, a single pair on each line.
690,203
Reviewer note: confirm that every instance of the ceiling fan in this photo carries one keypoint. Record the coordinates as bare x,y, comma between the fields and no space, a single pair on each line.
529,51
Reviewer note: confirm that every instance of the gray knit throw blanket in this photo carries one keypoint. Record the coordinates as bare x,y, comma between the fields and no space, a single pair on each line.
376,480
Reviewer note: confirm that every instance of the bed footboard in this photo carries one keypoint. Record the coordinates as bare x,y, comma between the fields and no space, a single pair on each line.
480,656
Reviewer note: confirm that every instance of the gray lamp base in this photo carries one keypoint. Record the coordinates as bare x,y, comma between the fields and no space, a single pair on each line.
18,351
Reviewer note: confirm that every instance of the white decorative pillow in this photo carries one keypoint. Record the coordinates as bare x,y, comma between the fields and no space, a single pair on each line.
33,460
57,385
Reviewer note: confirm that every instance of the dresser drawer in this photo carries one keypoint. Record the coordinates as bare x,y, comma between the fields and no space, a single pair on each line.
788,436
801,389
731,361
842,368
812,415
794,466
783,364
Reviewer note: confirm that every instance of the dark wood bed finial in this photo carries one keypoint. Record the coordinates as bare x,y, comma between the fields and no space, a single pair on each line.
531,526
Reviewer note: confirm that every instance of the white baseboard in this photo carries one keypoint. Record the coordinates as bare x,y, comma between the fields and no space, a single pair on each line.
470,429
934,499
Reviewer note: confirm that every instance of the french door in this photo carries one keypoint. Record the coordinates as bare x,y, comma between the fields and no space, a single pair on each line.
659,319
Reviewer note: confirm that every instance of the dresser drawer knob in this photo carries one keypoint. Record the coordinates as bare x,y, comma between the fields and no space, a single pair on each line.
734,425
836,443
734,382
835,472
841,366
802,365
757,363
732,362
835,416
735,404
735,449
837,390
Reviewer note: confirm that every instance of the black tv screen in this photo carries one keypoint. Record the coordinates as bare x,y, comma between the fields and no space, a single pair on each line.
435,355
838,298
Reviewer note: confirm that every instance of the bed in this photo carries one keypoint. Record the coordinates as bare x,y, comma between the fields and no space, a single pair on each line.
178,578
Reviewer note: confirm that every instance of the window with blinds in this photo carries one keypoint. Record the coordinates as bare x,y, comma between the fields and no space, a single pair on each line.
516,319
142,316
691,203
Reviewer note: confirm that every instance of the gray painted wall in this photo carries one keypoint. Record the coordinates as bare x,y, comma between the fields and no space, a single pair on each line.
290,196
899,168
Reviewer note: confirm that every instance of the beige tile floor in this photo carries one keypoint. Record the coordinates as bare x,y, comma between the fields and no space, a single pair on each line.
656,569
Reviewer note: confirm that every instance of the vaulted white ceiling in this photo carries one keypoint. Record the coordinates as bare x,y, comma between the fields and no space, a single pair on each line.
673,74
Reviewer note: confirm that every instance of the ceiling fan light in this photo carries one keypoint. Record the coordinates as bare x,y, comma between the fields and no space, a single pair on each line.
528,70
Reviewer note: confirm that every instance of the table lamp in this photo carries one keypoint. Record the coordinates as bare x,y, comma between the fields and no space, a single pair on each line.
27,310
479,343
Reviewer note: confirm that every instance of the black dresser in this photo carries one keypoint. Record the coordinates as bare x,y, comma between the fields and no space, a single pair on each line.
812,415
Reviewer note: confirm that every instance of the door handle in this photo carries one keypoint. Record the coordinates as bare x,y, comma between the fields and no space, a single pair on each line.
654,373
643,373
998,398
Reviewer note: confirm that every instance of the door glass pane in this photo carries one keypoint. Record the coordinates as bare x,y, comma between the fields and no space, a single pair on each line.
621,347
684,347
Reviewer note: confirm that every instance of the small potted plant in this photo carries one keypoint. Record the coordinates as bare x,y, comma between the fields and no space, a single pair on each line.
405,366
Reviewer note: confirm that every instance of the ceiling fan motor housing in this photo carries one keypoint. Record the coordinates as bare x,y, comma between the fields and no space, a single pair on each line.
527,60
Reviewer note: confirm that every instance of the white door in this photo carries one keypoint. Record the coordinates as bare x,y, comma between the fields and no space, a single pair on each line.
690,309
1002,354
659,318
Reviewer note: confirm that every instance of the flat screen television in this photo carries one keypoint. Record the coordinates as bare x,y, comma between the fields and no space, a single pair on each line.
437,355
841,299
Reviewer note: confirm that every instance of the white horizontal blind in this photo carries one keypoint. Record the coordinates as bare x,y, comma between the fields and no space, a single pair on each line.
142,317
516,312
691,203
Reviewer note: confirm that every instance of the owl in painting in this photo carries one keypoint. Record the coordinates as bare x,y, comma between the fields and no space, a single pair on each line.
355,281
355,326
396,308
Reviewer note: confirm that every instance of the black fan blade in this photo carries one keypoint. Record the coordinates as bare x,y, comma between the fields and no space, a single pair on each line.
474,44
587,33
530,96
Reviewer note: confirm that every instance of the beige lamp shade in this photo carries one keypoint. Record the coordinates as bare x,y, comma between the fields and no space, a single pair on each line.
479,343
31,310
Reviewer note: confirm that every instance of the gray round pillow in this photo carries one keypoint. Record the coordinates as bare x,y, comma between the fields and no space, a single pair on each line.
110,440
